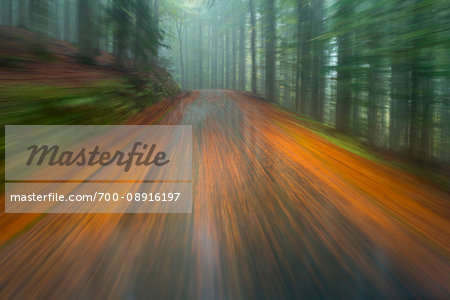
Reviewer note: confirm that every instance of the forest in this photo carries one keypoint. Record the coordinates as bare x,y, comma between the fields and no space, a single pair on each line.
375,70
304,150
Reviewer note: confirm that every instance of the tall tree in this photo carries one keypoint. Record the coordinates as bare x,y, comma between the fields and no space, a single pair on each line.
85,29
179,26
121,21
306,59
344,67
22,6
298,69
67,19
270,45
233,57
251,8
156,16
39,16
374,88
317,85
242,52
227,59
200,56
7,12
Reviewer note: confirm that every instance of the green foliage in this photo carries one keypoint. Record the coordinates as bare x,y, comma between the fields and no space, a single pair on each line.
103,103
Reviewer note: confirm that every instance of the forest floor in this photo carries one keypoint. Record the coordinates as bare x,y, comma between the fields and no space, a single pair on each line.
34,69
43,81
433,172
26,58
279,212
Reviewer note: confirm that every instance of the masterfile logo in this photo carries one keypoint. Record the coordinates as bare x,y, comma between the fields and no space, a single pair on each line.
117,168
53,156
89,152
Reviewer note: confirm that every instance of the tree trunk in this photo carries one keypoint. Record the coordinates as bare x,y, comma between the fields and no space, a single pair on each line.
122,32
216,59
374,88
298,69
222,69
84,29
398,128
233,58
180,41
67,16
426,129
242,54
23,13
270,40
186,43
38,14
227,51
7,12
344,93
156,18
306,61
316,76
251,8
200,58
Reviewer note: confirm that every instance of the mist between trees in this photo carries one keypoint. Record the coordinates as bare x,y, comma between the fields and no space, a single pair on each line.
375,69
378,70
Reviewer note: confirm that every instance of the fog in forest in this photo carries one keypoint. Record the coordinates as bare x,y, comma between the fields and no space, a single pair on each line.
258,149
378,70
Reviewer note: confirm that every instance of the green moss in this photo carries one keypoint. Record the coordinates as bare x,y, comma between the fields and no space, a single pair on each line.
109,102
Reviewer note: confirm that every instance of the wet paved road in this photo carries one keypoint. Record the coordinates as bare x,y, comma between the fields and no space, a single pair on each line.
278,213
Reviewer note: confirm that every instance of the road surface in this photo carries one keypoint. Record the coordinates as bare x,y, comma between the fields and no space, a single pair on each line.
278,213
